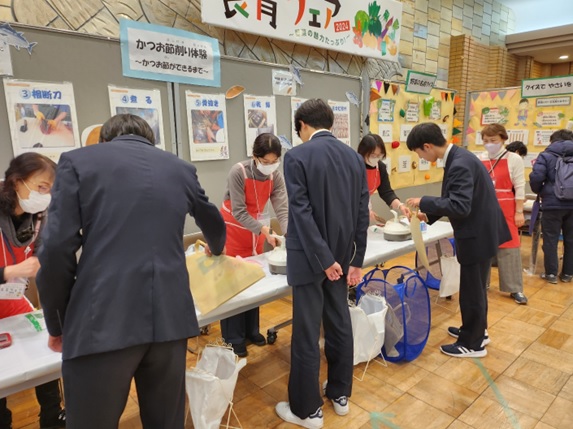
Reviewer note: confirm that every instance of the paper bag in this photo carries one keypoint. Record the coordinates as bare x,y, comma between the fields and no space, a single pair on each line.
216,279
419,241
450,283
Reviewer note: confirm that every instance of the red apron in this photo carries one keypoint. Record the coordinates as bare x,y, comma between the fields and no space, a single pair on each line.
12,255
241,241
506,197
373,178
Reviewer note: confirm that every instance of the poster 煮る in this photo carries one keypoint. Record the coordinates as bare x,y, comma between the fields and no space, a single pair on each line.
207,119
143,103
42,117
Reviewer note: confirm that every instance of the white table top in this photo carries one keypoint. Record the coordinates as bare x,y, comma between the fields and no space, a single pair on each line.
29,362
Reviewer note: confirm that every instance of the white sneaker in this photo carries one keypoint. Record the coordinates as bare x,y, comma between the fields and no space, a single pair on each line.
341,406
314,421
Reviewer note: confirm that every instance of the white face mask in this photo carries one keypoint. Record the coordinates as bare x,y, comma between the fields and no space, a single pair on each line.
373,161
492,148
268,169
35,203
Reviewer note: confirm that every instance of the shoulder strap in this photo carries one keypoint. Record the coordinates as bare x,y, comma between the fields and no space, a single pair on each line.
496,161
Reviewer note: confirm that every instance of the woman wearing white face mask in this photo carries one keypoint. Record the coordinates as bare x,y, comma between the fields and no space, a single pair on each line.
372,149
24,198
506,171
250,185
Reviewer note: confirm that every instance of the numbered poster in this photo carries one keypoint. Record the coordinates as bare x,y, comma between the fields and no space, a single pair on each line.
207,119
260,118
341,127
143,103
42,117
295,103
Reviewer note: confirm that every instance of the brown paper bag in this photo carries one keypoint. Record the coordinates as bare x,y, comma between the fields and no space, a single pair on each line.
216,279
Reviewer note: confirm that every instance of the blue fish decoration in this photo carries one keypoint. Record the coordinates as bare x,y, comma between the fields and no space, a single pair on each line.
9,36
296,73
352,98
285,142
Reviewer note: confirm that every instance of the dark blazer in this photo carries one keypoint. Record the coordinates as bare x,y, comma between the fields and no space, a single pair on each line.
468,200
328,207
124,204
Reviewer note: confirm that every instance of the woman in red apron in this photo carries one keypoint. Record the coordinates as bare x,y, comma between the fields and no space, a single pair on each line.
250,186
506,171
24,198
372,149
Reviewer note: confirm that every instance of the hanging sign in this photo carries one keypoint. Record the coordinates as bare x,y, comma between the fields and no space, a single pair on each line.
420,83
169,54
359,27
547,86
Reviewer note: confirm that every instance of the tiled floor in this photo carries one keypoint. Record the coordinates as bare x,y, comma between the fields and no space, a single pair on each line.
524,382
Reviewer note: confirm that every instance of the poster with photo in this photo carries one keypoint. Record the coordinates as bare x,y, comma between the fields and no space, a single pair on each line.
341,127
207,119
295,103
139,102
260,118
42,117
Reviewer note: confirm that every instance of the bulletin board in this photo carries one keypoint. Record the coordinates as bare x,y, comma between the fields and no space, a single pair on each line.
90,63
530,120
393,113
256,78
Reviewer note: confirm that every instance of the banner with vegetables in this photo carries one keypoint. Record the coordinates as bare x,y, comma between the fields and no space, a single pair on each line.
360,27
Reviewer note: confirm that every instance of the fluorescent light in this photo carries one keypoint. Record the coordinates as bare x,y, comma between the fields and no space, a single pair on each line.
563,57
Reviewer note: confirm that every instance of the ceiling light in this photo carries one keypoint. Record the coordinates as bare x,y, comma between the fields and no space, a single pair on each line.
563,57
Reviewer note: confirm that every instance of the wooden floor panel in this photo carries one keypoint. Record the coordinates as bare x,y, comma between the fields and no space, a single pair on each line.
524,381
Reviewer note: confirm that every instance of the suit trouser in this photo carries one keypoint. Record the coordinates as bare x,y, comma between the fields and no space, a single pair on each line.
552,223
312,302
97,386
473,303
236,329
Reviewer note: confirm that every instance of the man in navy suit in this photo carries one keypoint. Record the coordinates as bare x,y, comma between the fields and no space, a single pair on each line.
468,200
326,242
124,310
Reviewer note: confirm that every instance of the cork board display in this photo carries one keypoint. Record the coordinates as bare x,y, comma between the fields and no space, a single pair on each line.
393,113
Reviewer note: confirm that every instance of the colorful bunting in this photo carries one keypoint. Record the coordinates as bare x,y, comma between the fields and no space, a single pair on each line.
378,85
395,88
386,87
475,96
457,122
456,131
502,94
470,130
374,95
447,95
457,99
493,94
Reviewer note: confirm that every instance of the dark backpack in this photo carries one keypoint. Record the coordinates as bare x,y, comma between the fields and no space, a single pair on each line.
564,178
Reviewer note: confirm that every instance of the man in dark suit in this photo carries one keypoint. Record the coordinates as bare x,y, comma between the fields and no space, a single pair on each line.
468,200
124,310
326,242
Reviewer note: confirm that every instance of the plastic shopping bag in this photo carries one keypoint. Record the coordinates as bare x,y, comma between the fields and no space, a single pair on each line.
210,385
450,283
368,321
216,279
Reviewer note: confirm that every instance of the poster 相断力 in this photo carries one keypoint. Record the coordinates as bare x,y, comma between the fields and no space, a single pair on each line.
42,117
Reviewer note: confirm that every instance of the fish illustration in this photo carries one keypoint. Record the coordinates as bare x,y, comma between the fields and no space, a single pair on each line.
352,98
9,36
296,74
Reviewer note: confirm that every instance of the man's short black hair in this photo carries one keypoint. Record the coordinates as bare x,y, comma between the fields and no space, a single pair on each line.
561,135
428,132
315,113
125,124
